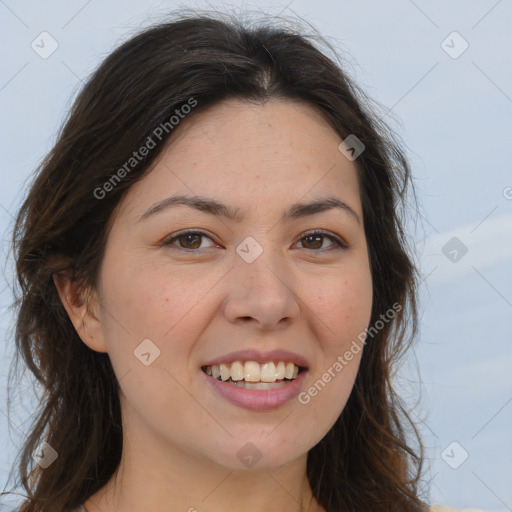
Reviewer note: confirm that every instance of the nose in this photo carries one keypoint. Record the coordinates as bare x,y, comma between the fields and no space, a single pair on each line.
261,293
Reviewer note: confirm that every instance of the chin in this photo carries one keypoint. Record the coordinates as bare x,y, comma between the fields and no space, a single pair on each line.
258,453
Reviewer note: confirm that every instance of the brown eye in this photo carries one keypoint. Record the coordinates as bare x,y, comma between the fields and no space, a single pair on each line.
314,241
190,241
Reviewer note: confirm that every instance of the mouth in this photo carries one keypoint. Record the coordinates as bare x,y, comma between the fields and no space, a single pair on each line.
255,375
255,380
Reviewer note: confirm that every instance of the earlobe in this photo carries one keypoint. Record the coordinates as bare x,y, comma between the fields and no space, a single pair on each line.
82,307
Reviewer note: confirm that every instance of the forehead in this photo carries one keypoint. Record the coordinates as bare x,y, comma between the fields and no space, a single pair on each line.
273,128
250,155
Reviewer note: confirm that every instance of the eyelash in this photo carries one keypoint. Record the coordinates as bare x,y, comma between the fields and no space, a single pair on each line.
339,244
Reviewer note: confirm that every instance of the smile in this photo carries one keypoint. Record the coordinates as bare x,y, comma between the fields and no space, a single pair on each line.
256,386
253,375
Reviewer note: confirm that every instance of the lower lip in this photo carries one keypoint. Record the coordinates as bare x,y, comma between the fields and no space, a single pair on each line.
257,399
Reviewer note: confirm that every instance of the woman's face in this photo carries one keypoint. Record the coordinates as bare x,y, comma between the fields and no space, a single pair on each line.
246,290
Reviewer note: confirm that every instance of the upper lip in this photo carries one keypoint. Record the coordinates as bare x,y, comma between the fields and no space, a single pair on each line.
259,357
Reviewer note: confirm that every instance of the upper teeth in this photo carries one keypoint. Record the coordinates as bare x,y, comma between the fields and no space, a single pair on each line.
251,371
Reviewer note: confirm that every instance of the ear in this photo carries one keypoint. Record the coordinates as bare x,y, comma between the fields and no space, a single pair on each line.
83,308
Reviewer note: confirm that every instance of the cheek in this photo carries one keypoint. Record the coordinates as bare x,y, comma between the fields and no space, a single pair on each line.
163,307
150,306
343,307
150,303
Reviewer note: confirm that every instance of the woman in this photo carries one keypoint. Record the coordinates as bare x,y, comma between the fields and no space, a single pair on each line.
215,285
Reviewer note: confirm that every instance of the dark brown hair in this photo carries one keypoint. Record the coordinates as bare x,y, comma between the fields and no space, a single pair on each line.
366,461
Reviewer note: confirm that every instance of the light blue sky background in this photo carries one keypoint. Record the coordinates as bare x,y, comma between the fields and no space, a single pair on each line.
455,115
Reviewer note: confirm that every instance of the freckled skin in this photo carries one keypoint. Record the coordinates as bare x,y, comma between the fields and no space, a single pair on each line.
181,438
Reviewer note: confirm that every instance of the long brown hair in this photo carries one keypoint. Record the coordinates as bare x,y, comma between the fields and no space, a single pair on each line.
366,461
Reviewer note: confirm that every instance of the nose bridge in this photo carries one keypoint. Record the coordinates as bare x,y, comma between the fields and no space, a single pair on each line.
261,286
259,263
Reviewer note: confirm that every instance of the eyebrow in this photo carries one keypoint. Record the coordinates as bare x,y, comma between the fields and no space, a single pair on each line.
213,207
